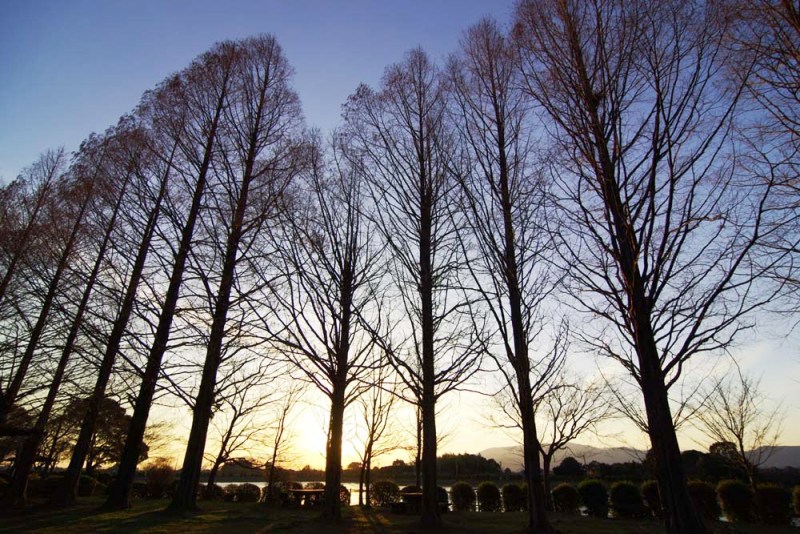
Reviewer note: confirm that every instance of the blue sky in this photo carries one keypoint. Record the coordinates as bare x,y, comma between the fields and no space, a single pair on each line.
68,68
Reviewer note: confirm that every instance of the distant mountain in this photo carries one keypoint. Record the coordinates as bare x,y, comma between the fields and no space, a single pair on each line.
511,457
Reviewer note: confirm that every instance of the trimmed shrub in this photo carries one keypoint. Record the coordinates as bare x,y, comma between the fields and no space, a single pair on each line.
441,496
86,486
213,493
565,498
159,475
652,498
513,498
488,495
625,500
737,500
773,504
796,494
44,487
139,490
705,499
462,497
314,485
230,492
5,488
344,496
594,497
384,492
248,493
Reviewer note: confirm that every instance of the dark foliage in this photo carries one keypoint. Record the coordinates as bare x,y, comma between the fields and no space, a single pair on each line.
462,496
488,495
569,467
594,497
626,501
773,504
566,498
705,499
513,498
737,500
652,499
384,492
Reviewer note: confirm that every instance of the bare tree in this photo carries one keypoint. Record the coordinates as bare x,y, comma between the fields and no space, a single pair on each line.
150,203
281,434
236,422
657,227
261,156
400,139
190,111
378,436
737,411
330,264
109,179
505,198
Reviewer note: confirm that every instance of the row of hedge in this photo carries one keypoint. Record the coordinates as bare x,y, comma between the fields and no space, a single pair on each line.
769,503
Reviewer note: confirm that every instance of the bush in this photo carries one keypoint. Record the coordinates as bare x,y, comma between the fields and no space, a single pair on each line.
44,487
796,494
488,495
314,485
213,493
462,497
773,504
565,498
626,501
344,496
5,489
230,492
384,492
594,496
86,486
441,495
139,490
159,476
247,493
705,499
652,498
513,498
737,500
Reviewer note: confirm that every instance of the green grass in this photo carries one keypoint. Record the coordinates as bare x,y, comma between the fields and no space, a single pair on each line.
230,518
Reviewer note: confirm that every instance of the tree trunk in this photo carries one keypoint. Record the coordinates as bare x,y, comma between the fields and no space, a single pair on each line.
368,482
361,485
333,458
119,493
212,476
680,514
548,496
66,492
24,462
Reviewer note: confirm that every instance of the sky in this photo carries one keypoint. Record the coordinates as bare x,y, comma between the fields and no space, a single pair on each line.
70,68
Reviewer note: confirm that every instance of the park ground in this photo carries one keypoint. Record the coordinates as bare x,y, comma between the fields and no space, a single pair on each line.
148,516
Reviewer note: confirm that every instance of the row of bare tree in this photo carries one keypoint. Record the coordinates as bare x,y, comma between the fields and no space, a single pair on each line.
626,164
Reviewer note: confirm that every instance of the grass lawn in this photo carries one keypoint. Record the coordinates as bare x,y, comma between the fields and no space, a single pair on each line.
233,518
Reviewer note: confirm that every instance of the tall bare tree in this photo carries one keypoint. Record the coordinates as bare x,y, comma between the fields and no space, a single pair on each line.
505,198
115,186
151,171
330,269
657,227
190,110
401,141
261,154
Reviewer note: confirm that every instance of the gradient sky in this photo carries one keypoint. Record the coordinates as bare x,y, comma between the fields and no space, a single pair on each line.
68,68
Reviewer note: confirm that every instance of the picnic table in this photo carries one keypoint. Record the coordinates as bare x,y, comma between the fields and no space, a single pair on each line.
411,503
305,497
